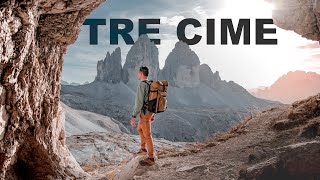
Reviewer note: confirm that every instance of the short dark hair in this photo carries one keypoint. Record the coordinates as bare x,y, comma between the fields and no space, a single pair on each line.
144,70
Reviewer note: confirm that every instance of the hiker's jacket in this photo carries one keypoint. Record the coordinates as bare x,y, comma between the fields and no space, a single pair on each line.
141,97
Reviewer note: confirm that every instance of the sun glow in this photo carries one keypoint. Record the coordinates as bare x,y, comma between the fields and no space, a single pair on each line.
246,9
267,63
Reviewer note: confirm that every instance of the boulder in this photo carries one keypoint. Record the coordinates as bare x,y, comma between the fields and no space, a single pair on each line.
295,161
132,170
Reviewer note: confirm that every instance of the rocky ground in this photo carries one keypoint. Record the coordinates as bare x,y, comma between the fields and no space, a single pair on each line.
101,144
280,143
101,154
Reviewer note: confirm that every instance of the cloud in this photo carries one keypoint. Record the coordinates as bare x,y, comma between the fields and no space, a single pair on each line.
314,45
248,65
199,10
315,56
155,8
81,55
172,21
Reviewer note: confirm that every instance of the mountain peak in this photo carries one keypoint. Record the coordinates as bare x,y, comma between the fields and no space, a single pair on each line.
107,56
293,86
110,69
142,53
143,38
182,45
208,78
182,66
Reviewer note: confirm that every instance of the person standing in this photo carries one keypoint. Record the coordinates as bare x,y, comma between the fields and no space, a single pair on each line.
144,125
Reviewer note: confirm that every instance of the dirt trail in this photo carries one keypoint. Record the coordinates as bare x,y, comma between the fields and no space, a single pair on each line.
279,143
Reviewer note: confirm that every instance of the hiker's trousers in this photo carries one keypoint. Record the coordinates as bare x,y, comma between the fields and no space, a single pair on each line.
144,129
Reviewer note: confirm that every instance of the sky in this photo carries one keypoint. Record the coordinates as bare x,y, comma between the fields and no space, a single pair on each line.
250,66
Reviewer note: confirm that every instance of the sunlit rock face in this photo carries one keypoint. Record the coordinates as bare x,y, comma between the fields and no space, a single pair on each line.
301,16
182,67
142,53
34,36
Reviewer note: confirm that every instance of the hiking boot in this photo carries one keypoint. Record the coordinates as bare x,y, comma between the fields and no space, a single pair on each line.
142,152
147,162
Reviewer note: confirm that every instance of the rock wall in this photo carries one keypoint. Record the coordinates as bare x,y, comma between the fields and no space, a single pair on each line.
34,36
301,16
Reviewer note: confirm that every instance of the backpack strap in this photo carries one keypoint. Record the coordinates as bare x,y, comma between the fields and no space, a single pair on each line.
145,103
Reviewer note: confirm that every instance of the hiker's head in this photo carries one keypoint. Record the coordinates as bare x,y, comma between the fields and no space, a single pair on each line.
143,73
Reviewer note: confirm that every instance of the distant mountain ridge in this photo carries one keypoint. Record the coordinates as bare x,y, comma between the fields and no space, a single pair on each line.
291,87
62,82
199,102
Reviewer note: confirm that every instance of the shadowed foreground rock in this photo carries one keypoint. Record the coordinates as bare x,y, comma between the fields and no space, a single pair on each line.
296,161
34,36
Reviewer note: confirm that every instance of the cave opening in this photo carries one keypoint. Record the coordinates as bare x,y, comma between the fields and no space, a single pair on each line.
22,170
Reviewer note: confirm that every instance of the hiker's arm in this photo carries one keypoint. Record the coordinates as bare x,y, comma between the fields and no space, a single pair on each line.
139,100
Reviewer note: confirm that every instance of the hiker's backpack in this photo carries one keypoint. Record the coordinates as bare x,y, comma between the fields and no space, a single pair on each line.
157,99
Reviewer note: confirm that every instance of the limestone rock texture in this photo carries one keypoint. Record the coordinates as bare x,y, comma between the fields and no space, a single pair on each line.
34,36
207,77
300,16
142,53
182,67
102,145
110,69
